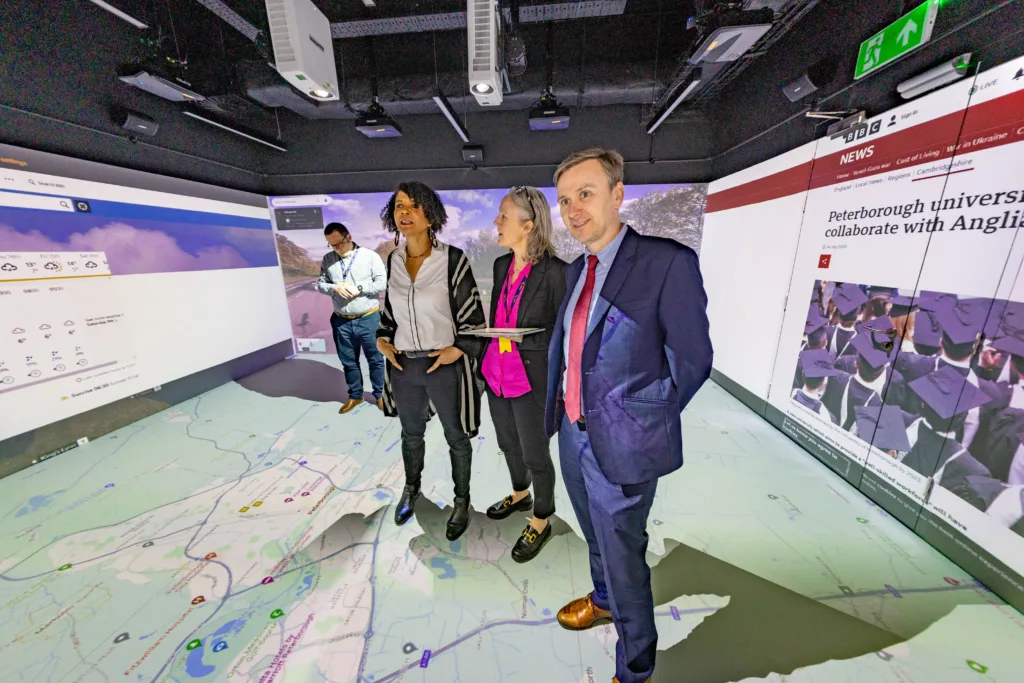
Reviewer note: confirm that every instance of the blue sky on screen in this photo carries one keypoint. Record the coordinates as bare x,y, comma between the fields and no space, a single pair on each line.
469,212
136,246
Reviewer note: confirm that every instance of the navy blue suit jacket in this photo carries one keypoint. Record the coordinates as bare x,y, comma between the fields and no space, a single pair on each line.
647,353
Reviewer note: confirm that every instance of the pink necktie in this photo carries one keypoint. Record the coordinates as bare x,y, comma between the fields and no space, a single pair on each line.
577,334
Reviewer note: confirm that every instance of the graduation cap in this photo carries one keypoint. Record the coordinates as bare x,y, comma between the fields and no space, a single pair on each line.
882,332
948,393
933,301
1010,343
883,292
926,329
815,320
901,305
848,298
887,425
869,352
1006,318
961,323
817,363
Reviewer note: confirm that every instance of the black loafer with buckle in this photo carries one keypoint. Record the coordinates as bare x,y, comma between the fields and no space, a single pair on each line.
505,507
530,543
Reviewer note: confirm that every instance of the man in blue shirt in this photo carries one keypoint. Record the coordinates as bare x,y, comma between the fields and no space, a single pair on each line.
630,350
354,278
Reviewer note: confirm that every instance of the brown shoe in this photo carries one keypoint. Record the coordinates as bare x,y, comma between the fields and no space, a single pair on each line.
582,614
349,405
380,404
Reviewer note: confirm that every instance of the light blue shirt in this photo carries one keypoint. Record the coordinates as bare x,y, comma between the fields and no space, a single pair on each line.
605,259
362,268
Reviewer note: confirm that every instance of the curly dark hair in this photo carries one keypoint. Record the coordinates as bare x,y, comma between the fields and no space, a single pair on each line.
421,195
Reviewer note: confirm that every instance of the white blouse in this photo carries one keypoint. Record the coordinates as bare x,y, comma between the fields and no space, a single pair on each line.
422,309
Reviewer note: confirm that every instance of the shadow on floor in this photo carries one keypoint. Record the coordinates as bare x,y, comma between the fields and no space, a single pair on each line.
765,628
309,380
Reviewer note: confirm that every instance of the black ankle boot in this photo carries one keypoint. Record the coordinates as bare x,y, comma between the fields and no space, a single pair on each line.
404,509
459,520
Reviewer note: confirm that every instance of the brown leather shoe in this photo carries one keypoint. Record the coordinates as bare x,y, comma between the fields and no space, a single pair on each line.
380,404
582,614
349,405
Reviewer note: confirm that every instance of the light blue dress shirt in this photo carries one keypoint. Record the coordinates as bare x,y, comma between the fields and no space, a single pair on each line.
605,258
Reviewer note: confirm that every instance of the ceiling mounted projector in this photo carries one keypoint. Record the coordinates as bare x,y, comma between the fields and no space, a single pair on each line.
727,35
377,124
549,116
485,77
300,36
162,83
943,74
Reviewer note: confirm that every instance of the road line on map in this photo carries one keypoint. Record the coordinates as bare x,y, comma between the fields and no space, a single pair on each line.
213,508
510,622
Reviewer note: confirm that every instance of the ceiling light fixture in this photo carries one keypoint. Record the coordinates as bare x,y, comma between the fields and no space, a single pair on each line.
446,108
231,129
119,14
692,86
943,74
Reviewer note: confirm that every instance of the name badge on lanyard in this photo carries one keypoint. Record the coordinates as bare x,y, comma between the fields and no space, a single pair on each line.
351,261
504,343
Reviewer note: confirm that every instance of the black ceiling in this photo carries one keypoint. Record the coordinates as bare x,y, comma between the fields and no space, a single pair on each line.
59,89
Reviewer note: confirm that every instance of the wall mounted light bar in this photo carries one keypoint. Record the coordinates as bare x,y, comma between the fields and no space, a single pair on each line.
693,85
200,117
119,14
442,103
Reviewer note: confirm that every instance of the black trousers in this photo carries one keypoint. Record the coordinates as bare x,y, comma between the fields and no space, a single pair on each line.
519,426
414,390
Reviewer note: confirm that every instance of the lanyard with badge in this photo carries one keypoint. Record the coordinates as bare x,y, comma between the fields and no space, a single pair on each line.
346,270
504,343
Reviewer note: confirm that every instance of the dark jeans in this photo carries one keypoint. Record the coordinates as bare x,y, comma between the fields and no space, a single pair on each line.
349,337
519,426
414,390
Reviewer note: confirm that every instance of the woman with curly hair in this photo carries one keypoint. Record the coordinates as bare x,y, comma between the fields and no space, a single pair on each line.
431,298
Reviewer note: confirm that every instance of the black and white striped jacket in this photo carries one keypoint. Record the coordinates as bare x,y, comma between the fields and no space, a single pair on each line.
468,314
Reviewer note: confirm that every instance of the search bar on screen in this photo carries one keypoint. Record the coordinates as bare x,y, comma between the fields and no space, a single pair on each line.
35,201
305,200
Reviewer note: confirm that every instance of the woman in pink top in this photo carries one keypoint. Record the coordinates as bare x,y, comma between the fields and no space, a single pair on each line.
529,285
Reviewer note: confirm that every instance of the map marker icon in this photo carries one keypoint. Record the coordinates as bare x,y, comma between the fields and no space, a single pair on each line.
198,600
194,644
409,648
220,647
147,544
211,556
121,638
276,614
267,581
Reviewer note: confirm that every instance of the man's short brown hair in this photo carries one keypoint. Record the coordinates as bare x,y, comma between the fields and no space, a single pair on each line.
611,162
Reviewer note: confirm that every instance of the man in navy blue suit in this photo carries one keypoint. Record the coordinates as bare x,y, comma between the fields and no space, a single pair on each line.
629,350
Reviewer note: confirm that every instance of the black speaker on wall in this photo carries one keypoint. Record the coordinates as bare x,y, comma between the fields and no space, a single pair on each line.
816,77
137,124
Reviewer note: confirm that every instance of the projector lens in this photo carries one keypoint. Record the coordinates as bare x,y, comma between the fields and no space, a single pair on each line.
321,93
482,88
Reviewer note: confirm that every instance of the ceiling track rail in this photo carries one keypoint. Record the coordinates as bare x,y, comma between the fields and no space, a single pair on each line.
789,17
425,23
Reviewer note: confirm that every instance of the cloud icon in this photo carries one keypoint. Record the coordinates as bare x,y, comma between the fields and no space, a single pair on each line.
69,323
51,266
18,330
44,326
90,264
8,267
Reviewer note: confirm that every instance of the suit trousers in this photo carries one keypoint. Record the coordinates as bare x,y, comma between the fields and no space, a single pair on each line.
414,390
519,426
614,525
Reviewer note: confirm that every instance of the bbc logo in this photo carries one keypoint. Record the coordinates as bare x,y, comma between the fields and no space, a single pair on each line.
863,131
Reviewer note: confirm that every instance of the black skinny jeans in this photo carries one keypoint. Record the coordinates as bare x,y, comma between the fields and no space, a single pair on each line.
414,390
519,426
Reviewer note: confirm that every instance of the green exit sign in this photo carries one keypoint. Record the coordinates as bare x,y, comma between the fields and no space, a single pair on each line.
904,35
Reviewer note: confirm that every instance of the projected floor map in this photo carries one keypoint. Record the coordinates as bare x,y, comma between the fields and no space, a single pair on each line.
244,537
